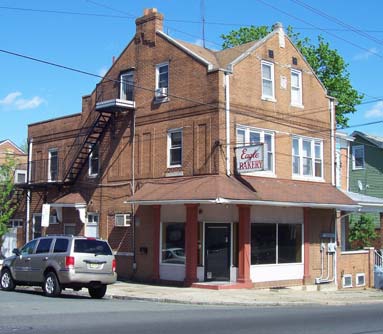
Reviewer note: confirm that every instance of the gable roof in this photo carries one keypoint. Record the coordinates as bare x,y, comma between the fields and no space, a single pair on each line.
10,142
375,140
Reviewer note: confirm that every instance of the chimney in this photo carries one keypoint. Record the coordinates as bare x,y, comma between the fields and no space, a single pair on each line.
147,25
278,27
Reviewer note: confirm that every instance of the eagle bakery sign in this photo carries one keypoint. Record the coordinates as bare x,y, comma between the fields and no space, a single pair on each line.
249,158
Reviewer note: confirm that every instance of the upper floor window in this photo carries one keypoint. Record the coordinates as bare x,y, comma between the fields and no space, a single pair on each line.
358,157
267,80
251,136
53,164
162,80
307,157
20,176
296,88
94,165
175,148
127,86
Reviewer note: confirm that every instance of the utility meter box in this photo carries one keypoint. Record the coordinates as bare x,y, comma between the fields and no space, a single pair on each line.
331,247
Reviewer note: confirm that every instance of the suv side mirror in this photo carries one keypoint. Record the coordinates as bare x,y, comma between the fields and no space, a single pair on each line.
16,251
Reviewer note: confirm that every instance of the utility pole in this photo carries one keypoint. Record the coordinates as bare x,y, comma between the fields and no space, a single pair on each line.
203,21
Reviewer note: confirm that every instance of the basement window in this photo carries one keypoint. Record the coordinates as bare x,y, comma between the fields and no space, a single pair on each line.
347,281
360,279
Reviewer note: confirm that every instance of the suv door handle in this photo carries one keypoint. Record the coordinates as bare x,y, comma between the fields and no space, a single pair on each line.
45,258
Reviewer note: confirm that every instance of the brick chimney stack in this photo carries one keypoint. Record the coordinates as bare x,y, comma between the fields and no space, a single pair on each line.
147,25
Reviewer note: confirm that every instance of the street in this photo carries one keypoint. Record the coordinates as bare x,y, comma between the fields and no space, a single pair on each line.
25,311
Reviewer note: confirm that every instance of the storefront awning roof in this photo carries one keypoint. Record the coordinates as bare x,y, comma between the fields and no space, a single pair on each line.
249,190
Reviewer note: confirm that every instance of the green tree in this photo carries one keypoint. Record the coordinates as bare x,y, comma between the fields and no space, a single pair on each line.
327,63
362,231
7,206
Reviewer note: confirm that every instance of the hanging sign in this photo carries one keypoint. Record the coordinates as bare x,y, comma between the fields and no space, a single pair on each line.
45,215
249,158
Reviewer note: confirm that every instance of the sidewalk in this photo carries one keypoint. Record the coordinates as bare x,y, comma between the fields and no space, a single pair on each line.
243,297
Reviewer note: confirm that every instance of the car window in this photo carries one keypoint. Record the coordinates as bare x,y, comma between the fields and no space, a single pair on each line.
61,245
92,246
44,246
28,248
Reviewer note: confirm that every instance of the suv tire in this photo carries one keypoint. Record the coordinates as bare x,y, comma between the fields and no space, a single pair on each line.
6,281
97,293
51,285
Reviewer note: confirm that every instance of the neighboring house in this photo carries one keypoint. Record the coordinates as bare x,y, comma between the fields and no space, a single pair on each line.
198,165
15,237
359,163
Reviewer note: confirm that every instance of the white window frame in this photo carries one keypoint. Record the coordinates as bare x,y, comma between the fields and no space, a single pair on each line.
158,95
354,149
344,285
16,222
297,89
169,147
357,279
262,133
313,142
50,151
272,79
92,222
127,218
129,74
20,172
90,172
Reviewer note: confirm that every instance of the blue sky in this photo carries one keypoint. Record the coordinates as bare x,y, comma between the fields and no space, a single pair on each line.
86,34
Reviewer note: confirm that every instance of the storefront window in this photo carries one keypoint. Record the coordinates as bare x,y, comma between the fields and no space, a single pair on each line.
173,243
276,243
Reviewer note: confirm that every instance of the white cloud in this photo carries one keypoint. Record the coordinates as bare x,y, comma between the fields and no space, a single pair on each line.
14,100
366,54
376,111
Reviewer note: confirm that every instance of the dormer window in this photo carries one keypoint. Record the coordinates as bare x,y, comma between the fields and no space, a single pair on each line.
127,86
162,81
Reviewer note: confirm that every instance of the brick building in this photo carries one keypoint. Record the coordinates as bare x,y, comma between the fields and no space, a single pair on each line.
197,165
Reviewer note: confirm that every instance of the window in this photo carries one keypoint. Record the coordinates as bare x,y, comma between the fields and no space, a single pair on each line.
44,246
175,148
307,156
173,243
15,223
276,243
267,80
28,248
90,246
61,245
121,219
250,136
358,157
127,86
360,279
347,281
91,228
94,161
296,88
53,165
20,176
162,81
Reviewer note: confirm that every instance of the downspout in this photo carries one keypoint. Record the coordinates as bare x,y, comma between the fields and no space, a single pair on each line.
348,168
227,116
335,271
133,191
332,117
28,209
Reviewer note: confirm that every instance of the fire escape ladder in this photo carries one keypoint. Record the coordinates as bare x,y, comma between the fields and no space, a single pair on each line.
90,135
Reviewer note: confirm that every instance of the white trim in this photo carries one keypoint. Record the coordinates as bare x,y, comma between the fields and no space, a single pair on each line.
20,172
128,73
272,79
298,88
115,103
356,279
355,148
169,146
160,98
209,65
344,281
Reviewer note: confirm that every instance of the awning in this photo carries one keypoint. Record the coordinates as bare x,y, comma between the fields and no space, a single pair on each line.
367,203
248,190
71,200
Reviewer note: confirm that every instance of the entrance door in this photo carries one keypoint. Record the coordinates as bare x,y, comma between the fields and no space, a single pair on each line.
217,252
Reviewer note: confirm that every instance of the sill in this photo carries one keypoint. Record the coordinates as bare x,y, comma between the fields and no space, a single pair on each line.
269,99
158,100
175,173
299,106
263,174
308,178
358,168
93,176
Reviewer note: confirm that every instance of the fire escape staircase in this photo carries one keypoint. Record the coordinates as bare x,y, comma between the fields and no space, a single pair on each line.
89,136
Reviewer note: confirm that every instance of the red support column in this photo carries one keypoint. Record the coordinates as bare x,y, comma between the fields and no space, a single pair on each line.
244,260
156,242
306,260
191,243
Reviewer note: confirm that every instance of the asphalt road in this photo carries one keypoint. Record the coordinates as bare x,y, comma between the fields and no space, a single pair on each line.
31,312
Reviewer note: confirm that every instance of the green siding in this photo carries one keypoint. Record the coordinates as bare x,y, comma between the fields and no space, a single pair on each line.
372,174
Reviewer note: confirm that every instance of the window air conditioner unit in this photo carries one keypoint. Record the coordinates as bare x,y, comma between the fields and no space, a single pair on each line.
162,92
122,219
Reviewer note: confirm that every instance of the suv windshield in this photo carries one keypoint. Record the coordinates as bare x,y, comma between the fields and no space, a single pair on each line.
97,247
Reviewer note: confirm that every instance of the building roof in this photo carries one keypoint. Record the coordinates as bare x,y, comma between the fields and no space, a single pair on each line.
375,140
367,203
250,190
70,200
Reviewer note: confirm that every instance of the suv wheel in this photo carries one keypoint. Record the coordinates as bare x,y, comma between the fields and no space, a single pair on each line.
6,281
51,285
97,293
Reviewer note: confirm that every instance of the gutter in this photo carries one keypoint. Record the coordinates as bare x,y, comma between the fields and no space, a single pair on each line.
227,116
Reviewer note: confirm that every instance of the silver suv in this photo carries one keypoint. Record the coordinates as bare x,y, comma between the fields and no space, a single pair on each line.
59,262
